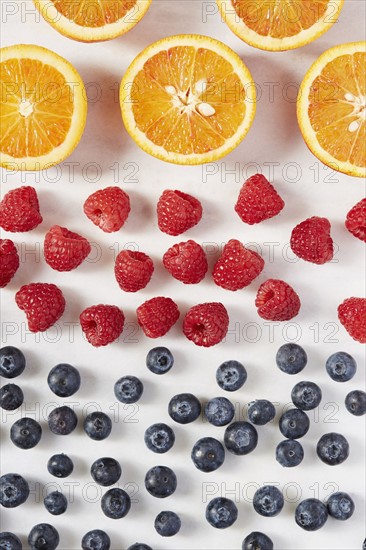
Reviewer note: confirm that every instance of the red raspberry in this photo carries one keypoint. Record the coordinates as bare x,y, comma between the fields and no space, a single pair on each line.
42,303
157,316
9,261
178,212
19,210
102,324
277,301
133,270
206,324
356,220
258,200
352,315
311,240
237,267
63,249
186,261
108,208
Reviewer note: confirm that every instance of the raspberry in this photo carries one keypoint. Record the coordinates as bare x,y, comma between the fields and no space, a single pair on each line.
277,301
206,324
177,212
19,210
108,208
63,249
237,267
133,270
356,220
42,303
352,315
258,200
311,240
157,316
186,261
102,324
9,261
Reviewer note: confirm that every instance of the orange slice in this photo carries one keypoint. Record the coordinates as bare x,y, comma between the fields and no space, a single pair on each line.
43,108
92,20
187,99
278,25
331,108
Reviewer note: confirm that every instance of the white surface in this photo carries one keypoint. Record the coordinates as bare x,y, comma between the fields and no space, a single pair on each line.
274,138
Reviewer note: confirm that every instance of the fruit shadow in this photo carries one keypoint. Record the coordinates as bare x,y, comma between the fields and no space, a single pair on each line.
141,215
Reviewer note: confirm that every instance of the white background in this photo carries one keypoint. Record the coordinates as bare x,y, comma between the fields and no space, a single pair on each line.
307,187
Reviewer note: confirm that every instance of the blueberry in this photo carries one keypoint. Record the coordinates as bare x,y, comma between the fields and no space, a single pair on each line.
12,362
341,366
332,448
56,503
96,540
208,454
221,512
159,360
9,541
62,420
160,481
167,524
106,471
43,537
311,514
291,358
139,546
219,411
184,408
294,424
289,453
14,490
60,465
231,375
306,395
257,541
116,503
128,389
268,501
64,380
159,438
364,545
356,402
240,438
97,425
261,411
26,433
11,397
340,506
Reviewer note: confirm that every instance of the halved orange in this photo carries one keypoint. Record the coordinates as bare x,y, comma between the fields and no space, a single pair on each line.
43,108
278,25
92,20
187,99
331,108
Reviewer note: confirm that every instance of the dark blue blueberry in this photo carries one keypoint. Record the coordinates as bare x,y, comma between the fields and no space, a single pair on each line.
184,408
341,366
9,541
294,424
160,481
159,438
261,411
268,501
128,389
167,524
26,433
62,420
116,503
289,453
311,514
332,448
240,438
219,411
364,545
306,395
159,360
356,402
231,375
221,512
96,540
139,546
60,465
291,358
257,541
97,425
43,537
11,397
208,454
56,503
14,490
64,380
106,471
340,506
12,362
